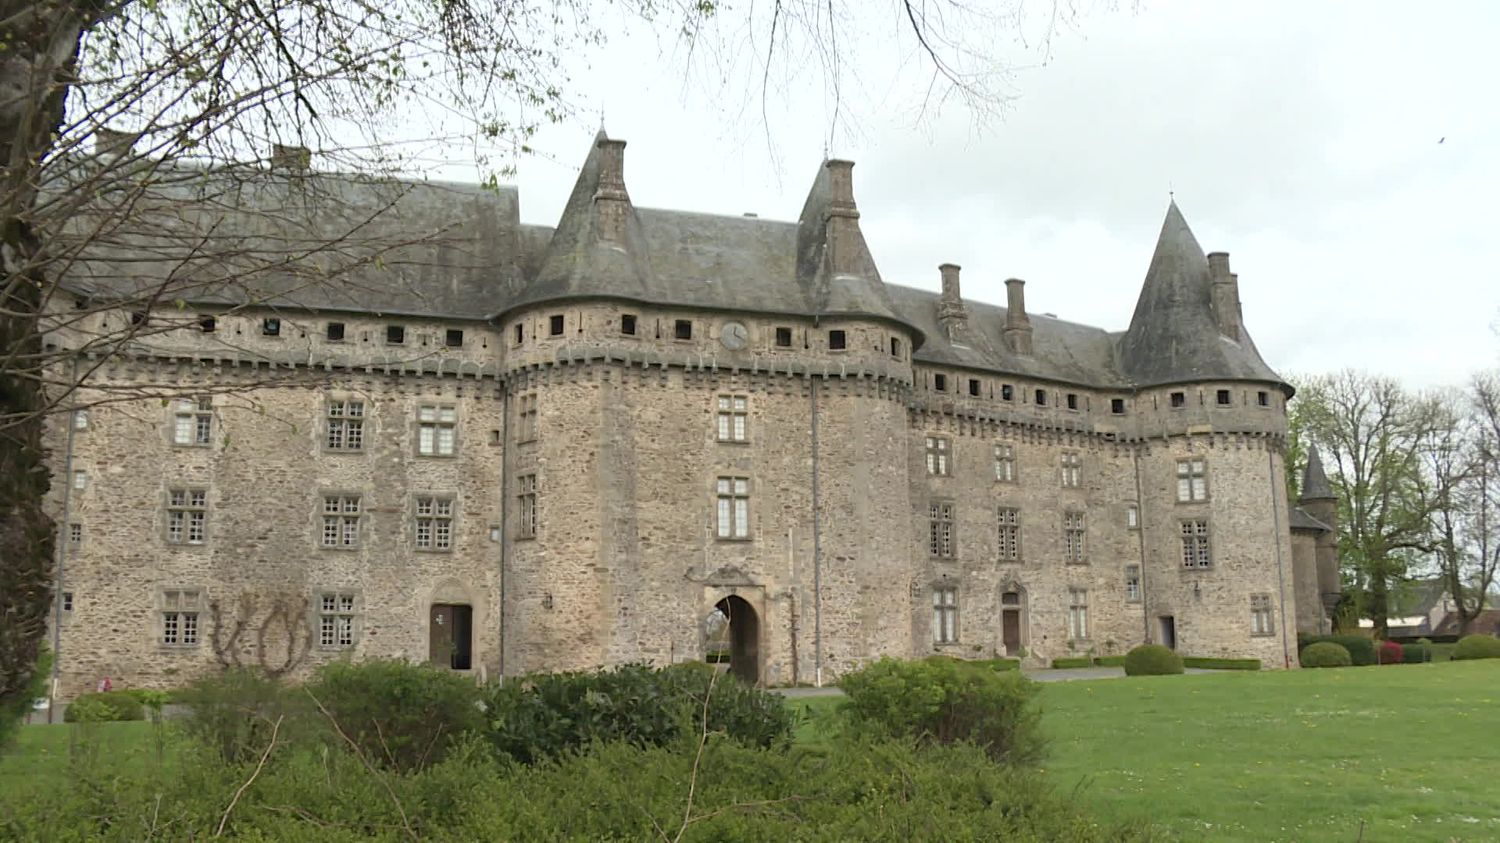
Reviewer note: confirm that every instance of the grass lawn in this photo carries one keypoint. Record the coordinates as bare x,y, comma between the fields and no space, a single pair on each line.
1410,751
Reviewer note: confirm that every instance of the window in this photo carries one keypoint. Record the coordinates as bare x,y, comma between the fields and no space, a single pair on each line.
453,338
395,335
193,422
270,327
683,330
208,324
526,417
944,615
1073,538
526,497
1117,406
1010,534
1072,470
1222,398
837,340
940,529
187,515
1007,392
1263,399
1179,399
555,325
896,348
1192,481
80,479
80,419
1072,400
434,527
520,333
937,456
179,617
733,418
1195,543
627,324
437,427
783,337
1041,397
1132,583
940,382
346,425
336,619
67,601
75,534
1005,463
341,521
1132,516
138,317
974,386
335,331
1078,614
733,507
1262,622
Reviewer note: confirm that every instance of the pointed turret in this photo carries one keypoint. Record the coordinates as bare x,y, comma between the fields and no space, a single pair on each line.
1318,500
1314,481
834,264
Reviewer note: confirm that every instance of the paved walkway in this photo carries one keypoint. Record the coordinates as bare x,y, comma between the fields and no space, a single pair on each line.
1039,674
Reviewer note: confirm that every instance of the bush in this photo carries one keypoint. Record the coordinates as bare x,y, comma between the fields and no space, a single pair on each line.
1415,654
944,701
1477,647
1325,654
1152,660
1205,663
999,664
547,715
1361,649
400,715
233,713
104,707
1110,661
14,711
1390,652
1072,662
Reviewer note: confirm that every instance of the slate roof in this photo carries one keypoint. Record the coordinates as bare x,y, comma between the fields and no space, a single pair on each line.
1314,481
1300,520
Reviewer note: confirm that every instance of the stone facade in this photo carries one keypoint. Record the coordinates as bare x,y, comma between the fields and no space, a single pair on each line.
850,505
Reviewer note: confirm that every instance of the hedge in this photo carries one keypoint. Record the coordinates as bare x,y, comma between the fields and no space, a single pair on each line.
1000,665
1477,647
1209,663
1110,661
104,707
1415,654
1361,649
1070,662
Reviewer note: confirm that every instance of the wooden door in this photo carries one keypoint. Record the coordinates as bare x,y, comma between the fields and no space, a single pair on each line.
1010,627
440,635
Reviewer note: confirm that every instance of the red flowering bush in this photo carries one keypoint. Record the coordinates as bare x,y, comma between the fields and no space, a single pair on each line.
1391,653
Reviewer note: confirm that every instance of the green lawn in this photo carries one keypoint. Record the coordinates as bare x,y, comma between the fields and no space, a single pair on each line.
1410,751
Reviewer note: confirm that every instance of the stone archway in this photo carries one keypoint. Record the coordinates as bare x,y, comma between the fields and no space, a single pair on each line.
736,627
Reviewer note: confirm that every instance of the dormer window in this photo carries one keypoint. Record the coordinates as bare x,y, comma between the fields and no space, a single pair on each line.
837,340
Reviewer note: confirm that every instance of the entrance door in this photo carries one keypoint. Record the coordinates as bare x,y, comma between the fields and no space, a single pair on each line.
744,638
1010,622
1168,631
450,635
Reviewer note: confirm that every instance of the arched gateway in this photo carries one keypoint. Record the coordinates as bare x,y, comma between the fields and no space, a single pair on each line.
735,627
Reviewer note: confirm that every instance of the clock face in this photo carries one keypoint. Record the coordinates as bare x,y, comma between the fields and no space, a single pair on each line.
734,336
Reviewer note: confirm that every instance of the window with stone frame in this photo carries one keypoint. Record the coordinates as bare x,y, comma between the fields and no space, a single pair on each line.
1262,618
180,608
732,513
81,419
187,516
341,521
940,539
937,456
1132,583
433,529
437,430
336,618
1072,470
526,500
1132,516
1009,539
193,422
1078,614
1005,463
1073,533
75,534
1192,480
1195,549
526,417
346,424
733,418
945,614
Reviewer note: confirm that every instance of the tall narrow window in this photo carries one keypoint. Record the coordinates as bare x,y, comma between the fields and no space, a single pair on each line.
627,324
526,493
193,422
1132,516
436,430
939,382
1073,532
1132,583
1078,614
1010,534
1072,401
346,425
937,456
336,619
75,534
944,615
940,529
975,387
1041,397
1262,621
341,521
179,617
733,507
1005,463
733,418
526,417
1192,480
896,348
1007,392
1195,551
555,324
434,523
1072,470
187,516
81,419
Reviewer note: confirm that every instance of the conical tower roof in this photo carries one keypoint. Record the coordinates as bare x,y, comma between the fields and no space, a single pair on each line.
1314,482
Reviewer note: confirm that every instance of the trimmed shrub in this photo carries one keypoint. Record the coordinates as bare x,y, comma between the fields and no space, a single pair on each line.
944,701
1477,647
1361,649
104,707
1208,663
401,716
1415,654
1325,654
1072,662
233,713
1152,660
1110,661
1390,652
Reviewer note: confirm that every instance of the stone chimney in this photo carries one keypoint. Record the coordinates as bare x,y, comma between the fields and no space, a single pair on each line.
1226,295
111,143
1017,324
844,239
290,158
610,198
952,313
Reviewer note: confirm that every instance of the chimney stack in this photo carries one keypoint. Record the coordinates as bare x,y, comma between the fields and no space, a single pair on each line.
112,143
291,158
952,313
1226,295
611,199
1017,324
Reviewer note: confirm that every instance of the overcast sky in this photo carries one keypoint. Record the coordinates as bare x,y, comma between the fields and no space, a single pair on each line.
1346,155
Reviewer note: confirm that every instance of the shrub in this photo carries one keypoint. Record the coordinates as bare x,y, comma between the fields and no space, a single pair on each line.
1072,662
1477,647
234,712
400,715
1361,649
1211,663
1152,660
1325,654
1390,652
945,701
998,664
13,712
104,707
1110,661
1415,654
